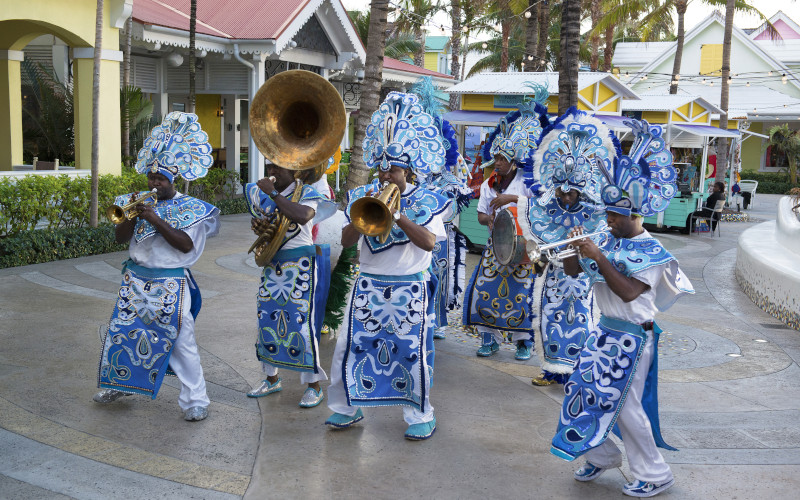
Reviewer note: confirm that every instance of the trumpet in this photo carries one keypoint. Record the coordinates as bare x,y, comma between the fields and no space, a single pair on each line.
119,214
372,215
536,251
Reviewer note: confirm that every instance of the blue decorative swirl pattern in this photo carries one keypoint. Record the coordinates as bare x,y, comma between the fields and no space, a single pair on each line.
180,212
176,147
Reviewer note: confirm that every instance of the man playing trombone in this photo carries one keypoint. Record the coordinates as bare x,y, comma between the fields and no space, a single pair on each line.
384,355
152,327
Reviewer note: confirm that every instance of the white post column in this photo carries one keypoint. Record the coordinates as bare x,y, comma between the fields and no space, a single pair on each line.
255,158
231,132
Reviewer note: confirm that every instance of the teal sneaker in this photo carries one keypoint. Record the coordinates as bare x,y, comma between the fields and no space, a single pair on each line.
588,472
265,388
642,489
439,333
487,350
523,352
341,421
421,432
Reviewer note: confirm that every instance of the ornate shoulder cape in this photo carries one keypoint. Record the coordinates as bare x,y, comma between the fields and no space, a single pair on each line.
419,205
181,212
548,223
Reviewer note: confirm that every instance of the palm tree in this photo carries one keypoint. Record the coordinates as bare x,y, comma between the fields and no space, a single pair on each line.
192,55
570,47
594,8
532,33
399,44
455,46
544,35
786,141
722,148
126,81
370,89
492,61
413,16
98,47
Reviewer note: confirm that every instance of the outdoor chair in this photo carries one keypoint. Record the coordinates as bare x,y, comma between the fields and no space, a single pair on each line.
749,187
716,216
44,165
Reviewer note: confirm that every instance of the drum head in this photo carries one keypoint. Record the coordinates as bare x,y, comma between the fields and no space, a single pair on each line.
504,237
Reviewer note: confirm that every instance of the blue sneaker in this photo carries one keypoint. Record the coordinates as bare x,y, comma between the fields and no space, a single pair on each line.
523,352
588,472
341,421
421,432
642,489
487,350
439,333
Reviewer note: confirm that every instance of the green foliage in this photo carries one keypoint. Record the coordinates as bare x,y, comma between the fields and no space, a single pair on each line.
138,111
217,184
34,247
47,115
232,206
341,279
769,182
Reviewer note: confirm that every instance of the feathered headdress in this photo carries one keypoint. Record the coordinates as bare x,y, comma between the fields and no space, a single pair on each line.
644,180
576,152
518,133
402,134
176,147
426,91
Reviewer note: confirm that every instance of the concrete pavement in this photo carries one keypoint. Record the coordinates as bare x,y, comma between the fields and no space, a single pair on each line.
729,400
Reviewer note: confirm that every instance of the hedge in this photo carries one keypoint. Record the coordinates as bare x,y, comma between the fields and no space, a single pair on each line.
769,182
34,247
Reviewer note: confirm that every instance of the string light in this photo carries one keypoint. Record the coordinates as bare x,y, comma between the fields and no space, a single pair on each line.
748,84
484,45
527,14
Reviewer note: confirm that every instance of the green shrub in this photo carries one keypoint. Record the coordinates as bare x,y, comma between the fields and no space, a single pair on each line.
232,206
769,182
34,247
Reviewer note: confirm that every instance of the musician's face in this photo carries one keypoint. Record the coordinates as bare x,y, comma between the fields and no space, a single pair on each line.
396,175
165,190
567,199
283,176
623,226
502,165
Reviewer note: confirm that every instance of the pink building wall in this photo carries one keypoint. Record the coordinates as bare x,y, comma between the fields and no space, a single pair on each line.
786,32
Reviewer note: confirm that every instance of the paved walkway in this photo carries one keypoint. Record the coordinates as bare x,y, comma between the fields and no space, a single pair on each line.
729,400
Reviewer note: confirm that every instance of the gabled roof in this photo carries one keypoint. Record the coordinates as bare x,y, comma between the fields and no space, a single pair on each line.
666,102
638,53
787,28
394,70
513,83
436,43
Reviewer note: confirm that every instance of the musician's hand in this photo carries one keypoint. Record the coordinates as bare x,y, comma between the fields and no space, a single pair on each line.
586,248
147,213
259,225
503,200
266,185
575,231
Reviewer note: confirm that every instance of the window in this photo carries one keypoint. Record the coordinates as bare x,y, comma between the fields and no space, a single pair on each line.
775,158
711,59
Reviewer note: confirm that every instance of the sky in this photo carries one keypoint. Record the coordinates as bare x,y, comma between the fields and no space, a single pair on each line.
695,13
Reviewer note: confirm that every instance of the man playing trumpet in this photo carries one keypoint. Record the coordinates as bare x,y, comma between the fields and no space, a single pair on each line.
294,281
384,356
152,327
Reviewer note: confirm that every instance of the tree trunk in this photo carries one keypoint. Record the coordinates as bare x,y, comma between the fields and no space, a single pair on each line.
126,81
455,46
192,55
370,90
680,8
722,142
531,36
570,46
594,41
419,57
608,50
544,35
98,48
505,32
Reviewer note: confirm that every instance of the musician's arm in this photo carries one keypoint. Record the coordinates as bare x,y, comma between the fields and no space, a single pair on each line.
418,235
175,237
123,232
349,236
295,212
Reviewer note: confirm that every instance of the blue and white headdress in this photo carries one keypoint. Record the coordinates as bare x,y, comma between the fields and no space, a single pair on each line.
517,135
176,147
577,152
644,180
426,91
402,134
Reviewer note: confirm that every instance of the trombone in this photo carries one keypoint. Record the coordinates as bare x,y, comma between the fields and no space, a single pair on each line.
119,214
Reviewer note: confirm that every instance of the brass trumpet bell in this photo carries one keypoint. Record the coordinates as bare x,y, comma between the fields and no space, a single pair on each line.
297,119
372,215
119,214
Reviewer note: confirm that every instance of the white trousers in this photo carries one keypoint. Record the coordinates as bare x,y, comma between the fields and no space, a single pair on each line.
644,459
185,362
305,377
337,398
516,336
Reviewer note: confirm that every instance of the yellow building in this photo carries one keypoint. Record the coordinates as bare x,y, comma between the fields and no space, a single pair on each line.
74,23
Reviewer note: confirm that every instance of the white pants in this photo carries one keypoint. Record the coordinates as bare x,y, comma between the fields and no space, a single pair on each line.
305,377
185,362
337,398
644,459
516,336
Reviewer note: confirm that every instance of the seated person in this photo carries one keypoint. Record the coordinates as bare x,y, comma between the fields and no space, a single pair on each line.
718,193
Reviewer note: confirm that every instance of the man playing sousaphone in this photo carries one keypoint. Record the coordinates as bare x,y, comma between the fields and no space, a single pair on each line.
152,326
384,356
295,279
568,165
497,295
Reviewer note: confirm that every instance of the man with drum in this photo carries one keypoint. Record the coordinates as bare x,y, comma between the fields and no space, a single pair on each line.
497,295
568,165
384,355
152,327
